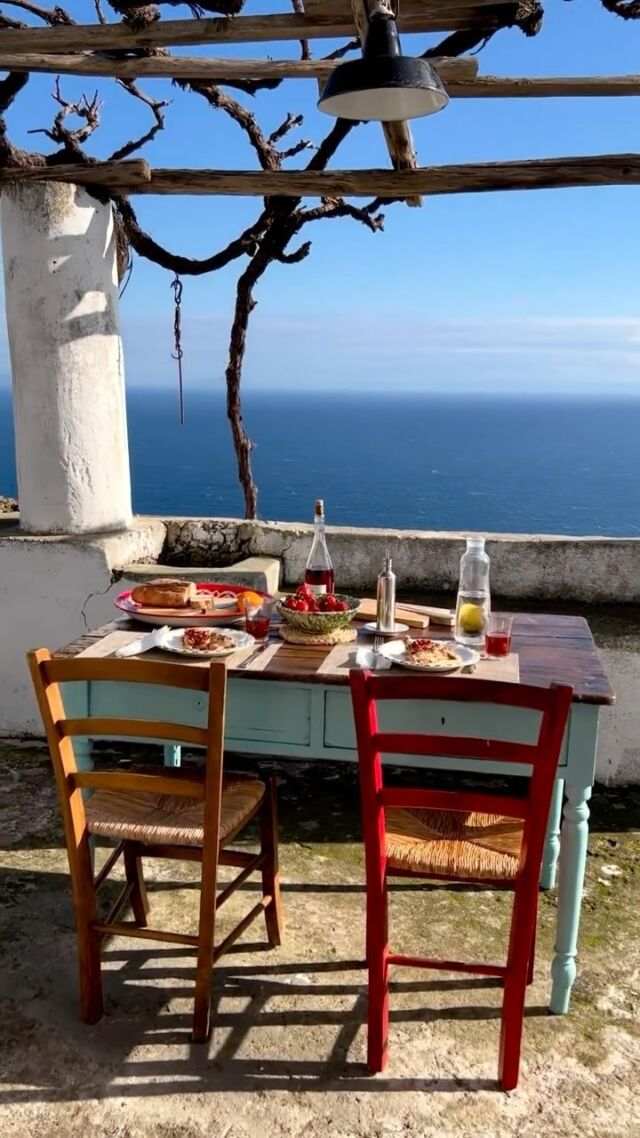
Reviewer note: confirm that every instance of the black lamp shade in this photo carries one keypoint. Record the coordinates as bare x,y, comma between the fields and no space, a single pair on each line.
383,86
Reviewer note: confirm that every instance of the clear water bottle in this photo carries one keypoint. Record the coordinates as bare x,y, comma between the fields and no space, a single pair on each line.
474,598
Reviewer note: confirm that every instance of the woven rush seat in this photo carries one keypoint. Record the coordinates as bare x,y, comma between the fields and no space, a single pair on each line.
170,819
449,842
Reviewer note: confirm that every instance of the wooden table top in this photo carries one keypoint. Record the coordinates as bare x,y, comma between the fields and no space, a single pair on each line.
551,649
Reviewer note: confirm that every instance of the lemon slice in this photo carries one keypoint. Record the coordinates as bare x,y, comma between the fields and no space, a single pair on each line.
471,618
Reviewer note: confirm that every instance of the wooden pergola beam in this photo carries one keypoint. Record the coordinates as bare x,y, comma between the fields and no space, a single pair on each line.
125,176
507,87
541,173
440,17
339,9
215,70
460,75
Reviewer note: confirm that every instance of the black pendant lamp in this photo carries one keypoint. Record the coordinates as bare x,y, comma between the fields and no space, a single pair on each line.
384,85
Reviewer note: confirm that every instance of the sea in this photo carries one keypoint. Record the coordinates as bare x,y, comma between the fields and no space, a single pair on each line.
480,463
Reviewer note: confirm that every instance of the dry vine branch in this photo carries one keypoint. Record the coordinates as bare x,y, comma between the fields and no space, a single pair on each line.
156,106
627,9
64,136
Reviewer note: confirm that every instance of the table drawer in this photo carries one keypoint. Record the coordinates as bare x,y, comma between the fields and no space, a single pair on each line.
431,717
443,718
261,712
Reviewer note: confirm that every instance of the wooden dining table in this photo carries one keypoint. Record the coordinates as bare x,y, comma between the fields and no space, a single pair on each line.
294,702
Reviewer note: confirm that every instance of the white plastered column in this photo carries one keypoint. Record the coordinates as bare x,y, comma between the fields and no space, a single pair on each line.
61,292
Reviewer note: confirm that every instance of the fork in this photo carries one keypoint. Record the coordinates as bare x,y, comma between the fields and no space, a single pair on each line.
378,641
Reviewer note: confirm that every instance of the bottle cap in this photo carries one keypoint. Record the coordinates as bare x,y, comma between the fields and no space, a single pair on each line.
319,510
475,543
388,561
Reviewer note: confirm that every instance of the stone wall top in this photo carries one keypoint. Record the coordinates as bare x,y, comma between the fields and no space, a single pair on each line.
536,566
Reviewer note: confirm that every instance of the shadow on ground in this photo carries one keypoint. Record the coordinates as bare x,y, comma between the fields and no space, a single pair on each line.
288,1048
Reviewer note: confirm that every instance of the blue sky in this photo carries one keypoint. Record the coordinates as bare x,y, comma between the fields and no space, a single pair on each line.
495,292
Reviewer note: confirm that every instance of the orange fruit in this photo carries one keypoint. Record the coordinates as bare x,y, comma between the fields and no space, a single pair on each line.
248,598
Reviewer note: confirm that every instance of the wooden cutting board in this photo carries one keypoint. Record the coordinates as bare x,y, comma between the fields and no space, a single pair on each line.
444,617
172,614
368,611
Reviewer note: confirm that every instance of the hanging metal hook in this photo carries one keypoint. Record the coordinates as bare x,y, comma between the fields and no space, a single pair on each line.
177,354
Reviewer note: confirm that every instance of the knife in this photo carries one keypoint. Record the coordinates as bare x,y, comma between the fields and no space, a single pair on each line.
253,656
144,644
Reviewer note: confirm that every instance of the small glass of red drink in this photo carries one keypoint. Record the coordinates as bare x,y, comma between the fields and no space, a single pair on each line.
497,641
258,618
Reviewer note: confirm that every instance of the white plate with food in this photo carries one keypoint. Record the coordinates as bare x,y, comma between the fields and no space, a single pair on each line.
178,603
205,643
426,655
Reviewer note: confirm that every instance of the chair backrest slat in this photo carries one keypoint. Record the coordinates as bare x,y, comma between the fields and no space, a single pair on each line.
453,746
408,798
117,728
194,677
456,689
140,783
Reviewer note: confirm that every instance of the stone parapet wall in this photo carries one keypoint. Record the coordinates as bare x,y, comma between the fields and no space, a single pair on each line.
591,570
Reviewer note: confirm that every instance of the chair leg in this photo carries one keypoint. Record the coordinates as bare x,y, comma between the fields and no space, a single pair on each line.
519,970
134,875
89,941
532,953
512,1025
270,874
90,978
206,935
378,968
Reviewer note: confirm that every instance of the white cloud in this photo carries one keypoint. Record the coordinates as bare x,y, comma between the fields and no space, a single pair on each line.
375,351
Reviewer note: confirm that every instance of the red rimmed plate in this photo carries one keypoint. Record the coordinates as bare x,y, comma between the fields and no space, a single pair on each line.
191,617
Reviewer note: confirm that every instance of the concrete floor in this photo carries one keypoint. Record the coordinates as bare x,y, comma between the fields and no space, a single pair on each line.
286,1057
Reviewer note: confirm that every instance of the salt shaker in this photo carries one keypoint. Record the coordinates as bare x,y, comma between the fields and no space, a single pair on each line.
386,597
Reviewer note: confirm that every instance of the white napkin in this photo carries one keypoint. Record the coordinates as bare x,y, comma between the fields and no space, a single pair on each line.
144,644
379,662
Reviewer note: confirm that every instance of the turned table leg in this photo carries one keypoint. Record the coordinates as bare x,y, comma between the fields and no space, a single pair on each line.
552,842
573,857
172,754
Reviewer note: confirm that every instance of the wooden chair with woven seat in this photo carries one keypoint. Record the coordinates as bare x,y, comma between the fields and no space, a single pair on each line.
176,814
480,837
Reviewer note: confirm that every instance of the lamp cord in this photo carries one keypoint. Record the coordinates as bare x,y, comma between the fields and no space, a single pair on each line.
384,8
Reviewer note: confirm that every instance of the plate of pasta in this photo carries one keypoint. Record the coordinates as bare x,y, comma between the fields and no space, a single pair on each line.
427,655
205,643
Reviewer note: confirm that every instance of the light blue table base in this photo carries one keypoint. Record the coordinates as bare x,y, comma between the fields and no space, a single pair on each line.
286,719
575,836
552,844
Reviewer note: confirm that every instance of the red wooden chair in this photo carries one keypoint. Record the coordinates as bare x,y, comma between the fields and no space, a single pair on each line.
480,837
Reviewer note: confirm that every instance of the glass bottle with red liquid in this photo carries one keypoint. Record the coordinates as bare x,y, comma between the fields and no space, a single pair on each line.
319,574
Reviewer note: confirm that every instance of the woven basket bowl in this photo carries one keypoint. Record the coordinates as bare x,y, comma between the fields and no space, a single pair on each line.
320,621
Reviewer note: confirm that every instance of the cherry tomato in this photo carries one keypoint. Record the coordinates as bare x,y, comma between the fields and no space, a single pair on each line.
341,606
